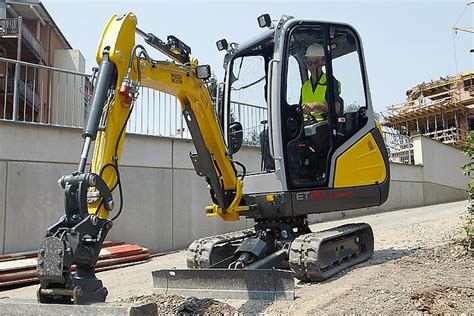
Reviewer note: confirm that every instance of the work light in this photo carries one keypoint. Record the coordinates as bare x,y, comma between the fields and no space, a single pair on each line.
203,72
264,20
221,44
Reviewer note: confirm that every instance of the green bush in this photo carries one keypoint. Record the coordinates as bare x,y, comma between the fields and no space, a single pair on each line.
469,171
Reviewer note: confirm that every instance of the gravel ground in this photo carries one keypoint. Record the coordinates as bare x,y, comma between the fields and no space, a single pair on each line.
437,280
419,266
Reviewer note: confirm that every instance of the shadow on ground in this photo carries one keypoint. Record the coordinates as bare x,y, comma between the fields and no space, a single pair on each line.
254,307
379,257
385,255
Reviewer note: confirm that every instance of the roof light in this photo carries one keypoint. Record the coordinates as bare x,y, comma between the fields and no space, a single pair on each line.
264,20
222,45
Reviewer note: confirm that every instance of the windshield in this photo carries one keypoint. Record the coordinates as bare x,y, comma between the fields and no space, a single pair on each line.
247,93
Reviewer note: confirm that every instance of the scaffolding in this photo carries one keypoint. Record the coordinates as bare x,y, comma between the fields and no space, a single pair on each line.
442,110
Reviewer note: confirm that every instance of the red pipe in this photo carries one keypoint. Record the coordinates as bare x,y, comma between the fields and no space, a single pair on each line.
7,278
34,253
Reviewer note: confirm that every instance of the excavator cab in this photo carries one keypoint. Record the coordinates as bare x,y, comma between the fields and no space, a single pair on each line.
341,152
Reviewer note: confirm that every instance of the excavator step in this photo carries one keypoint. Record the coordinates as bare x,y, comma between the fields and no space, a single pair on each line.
320,255
226,284
10,306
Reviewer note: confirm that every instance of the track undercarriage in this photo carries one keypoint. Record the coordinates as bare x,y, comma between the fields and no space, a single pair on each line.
242,264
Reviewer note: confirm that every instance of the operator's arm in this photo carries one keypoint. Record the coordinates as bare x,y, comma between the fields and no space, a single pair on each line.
313,106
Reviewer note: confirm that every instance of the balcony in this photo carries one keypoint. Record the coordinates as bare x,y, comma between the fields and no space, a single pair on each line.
25,90
43,94
11,28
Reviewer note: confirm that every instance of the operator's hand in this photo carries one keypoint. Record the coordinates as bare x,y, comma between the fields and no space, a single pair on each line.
310,107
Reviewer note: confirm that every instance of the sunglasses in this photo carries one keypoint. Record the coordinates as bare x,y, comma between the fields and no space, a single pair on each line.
314,62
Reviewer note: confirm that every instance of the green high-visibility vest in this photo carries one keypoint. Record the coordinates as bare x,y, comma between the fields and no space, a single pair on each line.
318,95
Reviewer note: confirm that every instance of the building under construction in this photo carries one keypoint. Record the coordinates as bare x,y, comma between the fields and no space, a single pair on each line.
442,110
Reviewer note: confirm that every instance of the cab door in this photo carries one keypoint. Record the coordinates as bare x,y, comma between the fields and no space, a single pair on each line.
336,92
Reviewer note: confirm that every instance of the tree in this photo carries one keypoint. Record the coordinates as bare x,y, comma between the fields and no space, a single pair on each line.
469,171
353,107
213,87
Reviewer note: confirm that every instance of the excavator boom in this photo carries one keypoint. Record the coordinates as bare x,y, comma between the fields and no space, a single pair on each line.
124,68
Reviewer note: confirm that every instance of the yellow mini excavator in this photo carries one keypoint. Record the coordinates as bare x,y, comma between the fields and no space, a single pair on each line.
335,161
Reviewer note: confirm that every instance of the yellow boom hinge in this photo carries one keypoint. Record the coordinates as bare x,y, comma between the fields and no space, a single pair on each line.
232,212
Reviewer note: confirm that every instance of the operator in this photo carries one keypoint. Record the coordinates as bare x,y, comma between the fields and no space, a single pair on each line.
314,97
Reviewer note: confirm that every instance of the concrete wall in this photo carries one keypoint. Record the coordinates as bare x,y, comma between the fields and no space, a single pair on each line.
3,201
443,178
164,199
70,59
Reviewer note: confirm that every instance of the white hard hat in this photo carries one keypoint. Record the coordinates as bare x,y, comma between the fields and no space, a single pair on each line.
315,50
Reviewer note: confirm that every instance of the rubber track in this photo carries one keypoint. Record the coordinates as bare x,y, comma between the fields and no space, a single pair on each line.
199,252
305,254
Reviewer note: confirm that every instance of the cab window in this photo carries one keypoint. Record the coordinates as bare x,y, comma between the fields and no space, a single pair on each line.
248,108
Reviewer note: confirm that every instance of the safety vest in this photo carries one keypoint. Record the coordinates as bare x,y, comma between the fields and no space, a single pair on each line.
318,95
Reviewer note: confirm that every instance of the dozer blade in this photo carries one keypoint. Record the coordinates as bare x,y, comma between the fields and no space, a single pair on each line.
226,284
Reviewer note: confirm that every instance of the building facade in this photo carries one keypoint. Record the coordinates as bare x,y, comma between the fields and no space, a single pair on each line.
442,110
31,48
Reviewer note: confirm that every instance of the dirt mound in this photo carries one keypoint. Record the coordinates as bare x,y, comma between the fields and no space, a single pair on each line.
453,253
444,300
178,305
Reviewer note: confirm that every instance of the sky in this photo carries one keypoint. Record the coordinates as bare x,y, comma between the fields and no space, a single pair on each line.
405,42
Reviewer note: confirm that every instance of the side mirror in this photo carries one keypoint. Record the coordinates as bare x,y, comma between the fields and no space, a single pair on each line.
236,137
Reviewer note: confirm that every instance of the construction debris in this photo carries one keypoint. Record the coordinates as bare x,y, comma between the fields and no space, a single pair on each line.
178,305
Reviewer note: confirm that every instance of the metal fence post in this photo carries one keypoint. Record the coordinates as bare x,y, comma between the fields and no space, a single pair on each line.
409,150
16,96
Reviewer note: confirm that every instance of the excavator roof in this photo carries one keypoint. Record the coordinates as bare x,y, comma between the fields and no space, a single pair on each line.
254,46
262,38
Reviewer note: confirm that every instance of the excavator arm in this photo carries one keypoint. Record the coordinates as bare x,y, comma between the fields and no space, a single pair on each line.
124,67
211,160
134,69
